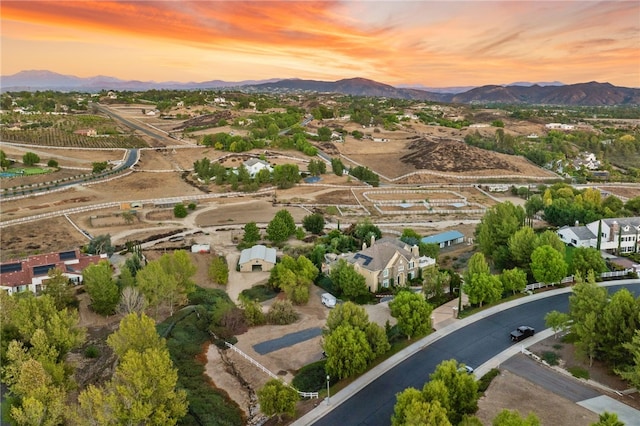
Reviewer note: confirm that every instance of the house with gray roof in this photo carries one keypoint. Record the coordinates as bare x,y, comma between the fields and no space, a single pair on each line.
617,235
387,262
254,165
257,258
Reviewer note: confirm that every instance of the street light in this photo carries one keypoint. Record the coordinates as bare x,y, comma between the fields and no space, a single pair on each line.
328,389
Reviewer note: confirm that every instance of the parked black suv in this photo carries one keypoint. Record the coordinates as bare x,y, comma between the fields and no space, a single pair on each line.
522,332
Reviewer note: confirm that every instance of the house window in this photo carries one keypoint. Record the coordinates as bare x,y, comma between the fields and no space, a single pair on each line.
400,268
574,242
411,275
412,265
385,283
385,273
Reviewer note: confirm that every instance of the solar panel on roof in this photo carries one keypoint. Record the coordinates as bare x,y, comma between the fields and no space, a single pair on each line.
42,269
366,259
67,255
10,267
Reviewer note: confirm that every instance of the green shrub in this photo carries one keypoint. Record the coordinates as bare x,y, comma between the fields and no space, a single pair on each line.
259,293
282,313
311,378
557,346
191,206
92,351
579,372
180,211
550,357
569,338
485,381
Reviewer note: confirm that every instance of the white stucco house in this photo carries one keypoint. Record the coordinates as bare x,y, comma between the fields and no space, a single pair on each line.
616,234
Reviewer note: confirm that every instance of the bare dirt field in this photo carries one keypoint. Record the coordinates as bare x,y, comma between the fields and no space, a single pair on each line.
509,391
64,156
623,191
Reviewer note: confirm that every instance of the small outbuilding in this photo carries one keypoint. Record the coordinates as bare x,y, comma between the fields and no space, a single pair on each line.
257,258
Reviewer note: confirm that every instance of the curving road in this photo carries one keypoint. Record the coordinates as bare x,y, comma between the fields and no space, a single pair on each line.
473,344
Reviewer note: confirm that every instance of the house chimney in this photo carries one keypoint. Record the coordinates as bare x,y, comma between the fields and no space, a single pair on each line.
373,240
415,251
577,223
613,232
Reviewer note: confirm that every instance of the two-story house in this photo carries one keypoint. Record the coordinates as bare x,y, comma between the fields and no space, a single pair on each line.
32,273
616,235
387,262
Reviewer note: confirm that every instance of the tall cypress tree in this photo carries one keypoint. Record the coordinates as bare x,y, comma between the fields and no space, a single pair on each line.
599,235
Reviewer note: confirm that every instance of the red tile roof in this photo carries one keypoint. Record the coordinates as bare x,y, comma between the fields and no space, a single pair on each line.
73,262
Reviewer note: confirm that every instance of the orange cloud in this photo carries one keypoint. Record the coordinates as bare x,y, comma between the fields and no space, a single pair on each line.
462,42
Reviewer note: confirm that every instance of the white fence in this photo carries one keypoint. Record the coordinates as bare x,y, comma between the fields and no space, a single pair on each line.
264,369
571,278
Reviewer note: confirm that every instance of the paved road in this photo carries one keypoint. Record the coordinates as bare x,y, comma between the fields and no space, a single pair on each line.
549,379
149,131
473,345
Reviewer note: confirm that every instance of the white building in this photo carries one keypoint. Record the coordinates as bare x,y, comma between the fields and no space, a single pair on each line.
254,165
618,234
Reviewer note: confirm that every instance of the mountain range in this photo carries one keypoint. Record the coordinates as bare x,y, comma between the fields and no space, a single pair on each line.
552,93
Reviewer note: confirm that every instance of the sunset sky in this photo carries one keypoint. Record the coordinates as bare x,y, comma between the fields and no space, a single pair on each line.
430,43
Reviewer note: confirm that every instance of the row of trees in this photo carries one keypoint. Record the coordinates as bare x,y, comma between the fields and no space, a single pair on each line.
283,175
605,327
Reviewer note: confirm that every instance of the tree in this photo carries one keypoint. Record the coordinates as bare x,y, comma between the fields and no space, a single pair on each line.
5,163
587,259
632,372
136,332
100,244
101,287
286,175
548,266
28,314
513,418
348,352
142,391
30,159
281,227
498,224
58,287
52,163
219,270
477,265
180,211
533,205
550,238
41,402
313,223
462,389
155,283
294,276
347,313
434,282
276,398
587,297
99,166
365,229
251,233
587,332
179,265
412,312
483,288
608,419
131,301
521,245
513,280
557,321
337,166
347,281
618,322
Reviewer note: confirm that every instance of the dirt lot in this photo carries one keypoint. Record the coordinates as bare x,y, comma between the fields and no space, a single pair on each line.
509,391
